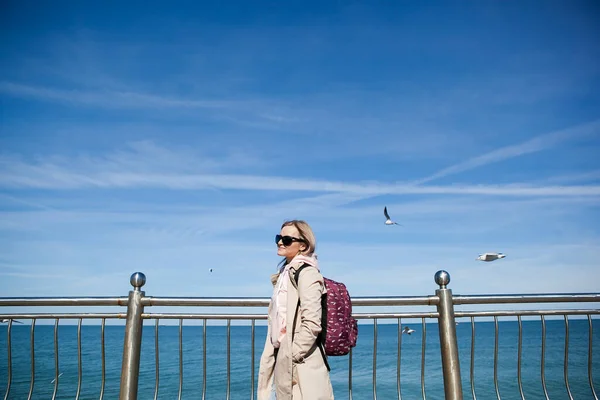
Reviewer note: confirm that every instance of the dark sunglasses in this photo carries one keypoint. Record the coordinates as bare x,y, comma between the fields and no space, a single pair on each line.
287,240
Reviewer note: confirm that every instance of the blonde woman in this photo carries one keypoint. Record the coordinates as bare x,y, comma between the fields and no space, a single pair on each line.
292,366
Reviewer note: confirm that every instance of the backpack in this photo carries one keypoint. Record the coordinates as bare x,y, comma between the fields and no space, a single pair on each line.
339,329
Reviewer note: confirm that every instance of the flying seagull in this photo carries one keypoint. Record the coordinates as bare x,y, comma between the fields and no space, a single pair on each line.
407,330
4,321
388,220
490,256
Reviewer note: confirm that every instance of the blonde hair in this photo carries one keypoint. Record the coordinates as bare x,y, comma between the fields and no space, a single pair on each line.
306,234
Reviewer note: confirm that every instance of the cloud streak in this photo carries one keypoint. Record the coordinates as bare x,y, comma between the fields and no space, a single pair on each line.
536,144
114,173
112,99
53,177
587,176
48,175
143,165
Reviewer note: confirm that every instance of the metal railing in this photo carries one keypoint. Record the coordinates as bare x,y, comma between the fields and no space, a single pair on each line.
445,315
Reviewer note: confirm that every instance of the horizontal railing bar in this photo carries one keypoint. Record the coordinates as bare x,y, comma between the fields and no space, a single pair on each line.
395,301
203,316
62,301
264,316
514,313
264,302
527,298
433,315
206,301
64,316
396,315
458,314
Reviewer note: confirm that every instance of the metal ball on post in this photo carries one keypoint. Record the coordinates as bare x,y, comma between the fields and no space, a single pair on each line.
130,368
448,341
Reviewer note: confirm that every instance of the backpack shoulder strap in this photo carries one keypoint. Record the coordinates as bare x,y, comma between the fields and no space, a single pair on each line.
297,274
320,336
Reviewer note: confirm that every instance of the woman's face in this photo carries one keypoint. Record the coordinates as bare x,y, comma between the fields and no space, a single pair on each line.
293,248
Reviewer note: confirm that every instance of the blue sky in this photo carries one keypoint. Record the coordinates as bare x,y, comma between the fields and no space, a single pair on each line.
173,138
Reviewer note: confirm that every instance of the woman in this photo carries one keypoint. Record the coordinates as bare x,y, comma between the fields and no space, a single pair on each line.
292,366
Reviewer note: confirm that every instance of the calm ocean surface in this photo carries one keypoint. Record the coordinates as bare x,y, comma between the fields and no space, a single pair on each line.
362,361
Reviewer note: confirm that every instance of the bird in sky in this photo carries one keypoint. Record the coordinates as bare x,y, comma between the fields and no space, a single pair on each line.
490,256
388,220
407,330
4,321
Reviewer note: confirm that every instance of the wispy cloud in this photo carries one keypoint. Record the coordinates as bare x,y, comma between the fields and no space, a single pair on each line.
138,157
589,176
112,98
173,226
51,176
538,143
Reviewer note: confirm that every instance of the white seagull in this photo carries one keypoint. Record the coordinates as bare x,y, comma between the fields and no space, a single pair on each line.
490,256
5,321
407,330
388,220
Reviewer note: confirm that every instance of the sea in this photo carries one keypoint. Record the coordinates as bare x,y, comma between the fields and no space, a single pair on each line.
362,361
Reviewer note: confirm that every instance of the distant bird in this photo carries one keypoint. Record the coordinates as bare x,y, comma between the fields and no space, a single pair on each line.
210,270
407,330
5,321
490,256
388,220
59,375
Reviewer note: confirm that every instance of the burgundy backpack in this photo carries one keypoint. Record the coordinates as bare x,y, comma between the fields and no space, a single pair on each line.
339,329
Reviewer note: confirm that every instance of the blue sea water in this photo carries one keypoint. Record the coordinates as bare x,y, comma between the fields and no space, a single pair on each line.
362,361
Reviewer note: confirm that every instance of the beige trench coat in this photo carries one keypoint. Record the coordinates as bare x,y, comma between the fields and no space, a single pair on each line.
300,372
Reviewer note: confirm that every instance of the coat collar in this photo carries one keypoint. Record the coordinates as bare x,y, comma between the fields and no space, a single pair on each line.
274,278
293,267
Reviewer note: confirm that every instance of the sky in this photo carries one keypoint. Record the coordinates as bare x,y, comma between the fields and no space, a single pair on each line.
172,138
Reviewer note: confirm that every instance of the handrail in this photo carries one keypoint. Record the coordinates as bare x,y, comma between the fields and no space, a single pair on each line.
62,301
526,298
264,302
63,316
514,313
432,315
205,301
264,316
357,301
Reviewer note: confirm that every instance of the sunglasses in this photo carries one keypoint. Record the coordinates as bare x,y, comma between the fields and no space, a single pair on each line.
287,240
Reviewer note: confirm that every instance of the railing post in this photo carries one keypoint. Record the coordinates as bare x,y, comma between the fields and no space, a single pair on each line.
448,342
133,339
